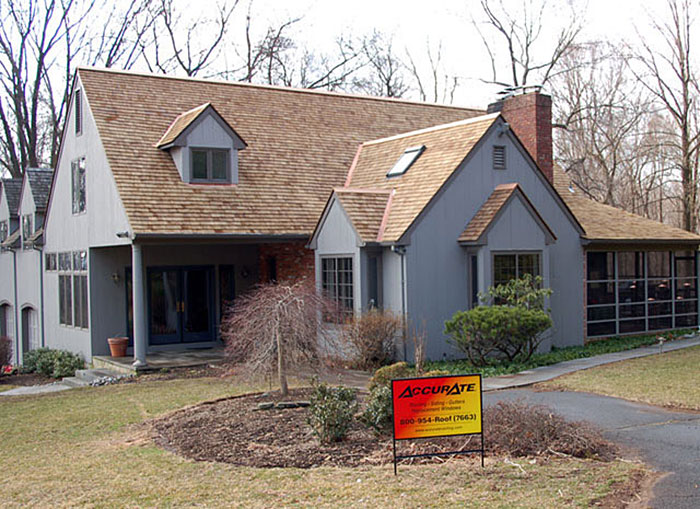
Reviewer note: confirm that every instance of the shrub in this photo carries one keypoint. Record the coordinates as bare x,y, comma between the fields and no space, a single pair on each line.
501,331
526,292
331,411
377,414
5,351
53,363
383,376
518,429
372,337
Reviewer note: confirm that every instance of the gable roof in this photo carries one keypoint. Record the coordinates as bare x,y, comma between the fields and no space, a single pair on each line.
605,224
300,145
446,147
486,216
366,209
40,180
13,189
184,121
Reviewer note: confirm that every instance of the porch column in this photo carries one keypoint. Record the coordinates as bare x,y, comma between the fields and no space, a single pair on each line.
139,310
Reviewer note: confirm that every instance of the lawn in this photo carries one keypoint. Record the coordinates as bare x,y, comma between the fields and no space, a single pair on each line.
556,355
86,447
671,379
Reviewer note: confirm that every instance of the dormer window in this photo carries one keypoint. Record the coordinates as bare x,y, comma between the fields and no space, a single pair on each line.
405,161
4,230
204,147
210,165
27,230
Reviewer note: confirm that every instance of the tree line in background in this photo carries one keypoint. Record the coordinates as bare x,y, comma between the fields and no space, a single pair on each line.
626,115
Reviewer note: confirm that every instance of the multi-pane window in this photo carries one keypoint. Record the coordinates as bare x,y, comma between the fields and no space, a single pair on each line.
513,266
210,165
636,291
50,262
73,289
78,187
336,280
4,230
27,230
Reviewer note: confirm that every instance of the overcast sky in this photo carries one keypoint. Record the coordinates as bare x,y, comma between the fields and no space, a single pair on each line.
413,22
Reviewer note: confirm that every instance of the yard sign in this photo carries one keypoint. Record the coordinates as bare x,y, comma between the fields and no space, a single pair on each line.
438,406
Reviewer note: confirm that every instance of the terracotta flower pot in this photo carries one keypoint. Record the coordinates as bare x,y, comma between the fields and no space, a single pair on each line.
117,346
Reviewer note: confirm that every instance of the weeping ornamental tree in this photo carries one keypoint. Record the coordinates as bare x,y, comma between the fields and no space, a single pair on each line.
277,328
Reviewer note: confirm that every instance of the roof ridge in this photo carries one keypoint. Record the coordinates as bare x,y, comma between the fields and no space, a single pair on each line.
440,127
366,190
274,87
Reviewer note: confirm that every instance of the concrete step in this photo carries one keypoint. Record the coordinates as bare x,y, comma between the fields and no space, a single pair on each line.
74,381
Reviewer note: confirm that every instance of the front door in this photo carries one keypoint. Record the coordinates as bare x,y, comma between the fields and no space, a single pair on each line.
180,305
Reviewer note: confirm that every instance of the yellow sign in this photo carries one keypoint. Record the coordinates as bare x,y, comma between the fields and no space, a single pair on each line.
436,406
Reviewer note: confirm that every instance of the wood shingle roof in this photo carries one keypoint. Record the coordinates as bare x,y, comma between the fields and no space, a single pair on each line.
300,146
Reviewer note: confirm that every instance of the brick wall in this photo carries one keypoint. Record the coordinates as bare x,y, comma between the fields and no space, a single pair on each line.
293,261
530,118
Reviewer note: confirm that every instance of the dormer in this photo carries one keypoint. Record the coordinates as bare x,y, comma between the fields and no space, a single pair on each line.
203,146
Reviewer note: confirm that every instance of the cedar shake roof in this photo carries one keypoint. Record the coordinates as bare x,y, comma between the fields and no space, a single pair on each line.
603,223
13,189
300,146
490,210
446,146
182,122
366,209
40,179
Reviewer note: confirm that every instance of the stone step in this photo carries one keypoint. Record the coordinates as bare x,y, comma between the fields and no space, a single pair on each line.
74,381
90,375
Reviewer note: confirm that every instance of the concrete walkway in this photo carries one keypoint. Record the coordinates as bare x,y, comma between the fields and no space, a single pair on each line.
537,375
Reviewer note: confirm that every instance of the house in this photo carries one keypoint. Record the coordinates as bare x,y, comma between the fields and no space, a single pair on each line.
172,196
23,205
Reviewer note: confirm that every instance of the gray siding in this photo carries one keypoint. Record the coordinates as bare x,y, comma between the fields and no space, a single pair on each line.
437,265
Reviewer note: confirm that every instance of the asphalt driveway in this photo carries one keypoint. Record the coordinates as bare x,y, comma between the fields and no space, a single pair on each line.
668,441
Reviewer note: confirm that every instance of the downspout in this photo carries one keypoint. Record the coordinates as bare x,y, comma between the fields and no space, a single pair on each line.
14,265
41,292
401,251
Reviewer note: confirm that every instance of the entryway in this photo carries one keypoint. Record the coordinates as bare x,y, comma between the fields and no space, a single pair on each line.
180,304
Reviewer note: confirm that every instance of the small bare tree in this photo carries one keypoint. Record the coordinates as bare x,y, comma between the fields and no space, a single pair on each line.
519,31
438,86
280,327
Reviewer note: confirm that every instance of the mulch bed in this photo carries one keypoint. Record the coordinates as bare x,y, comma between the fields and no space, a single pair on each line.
26,379
232,431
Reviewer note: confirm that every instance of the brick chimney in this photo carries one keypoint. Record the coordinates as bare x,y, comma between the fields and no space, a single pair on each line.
530,118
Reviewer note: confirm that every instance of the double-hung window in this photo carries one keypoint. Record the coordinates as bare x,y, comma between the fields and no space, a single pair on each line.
78,185
4,230
336,280
210,165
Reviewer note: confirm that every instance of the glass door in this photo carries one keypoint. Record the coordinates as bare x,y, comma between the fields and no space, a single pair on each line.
181,305
164,306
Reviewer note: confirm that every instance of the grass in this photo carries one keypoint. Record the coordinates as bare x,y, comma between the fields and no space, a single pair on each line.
85,447
556,355
671,379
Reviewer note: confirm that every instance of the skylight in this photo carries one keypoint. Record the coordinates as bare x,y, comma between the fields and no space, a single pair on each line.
405,161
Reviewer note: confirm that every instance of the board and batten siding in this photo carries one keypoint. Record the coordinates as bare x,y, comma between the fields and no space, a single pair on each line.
436,265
